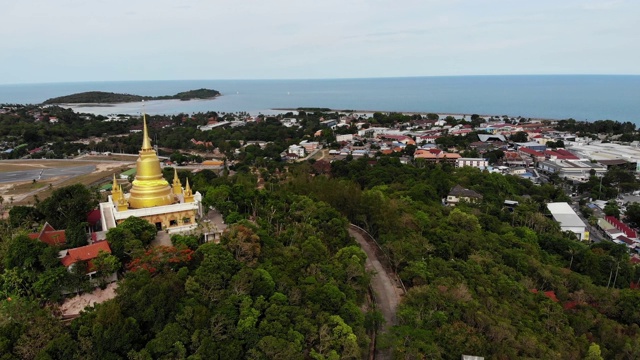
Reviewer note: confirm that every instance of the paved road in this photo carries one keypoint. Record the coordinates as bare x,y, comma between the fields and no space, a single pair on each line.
43,174
387,294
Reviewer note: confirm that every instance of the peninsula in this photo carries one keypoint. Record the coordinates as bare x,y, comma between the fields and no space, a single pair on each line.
102,97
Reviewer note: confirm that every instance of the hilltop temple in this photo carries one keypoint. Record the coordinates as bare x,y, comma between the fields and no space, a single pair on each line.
167,207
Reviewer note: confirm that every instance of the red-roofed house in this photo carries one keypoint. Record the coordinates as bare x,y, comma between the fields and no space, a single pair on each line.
407,140
50,236
436,155
84,253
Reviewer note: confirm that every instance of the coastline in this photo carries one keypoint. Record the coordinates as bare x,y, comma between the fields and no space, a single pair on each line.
440,114
584,98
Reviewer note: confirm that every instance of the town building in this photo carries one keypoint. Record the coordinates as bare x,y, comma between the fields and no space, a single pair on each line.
573,170
473,162
568,219
171,208
297,150
436,155
599,151
459,194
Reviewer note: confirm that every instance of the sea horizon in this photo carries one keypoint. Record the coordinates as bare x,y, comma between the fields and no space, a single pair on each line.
547,96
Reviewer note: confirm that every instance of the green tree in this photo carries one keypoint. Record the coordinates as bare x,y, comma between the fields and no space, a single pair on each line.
612,209
520,137
594,352
141,229
76,234
23,216
67,205
105,265
632,215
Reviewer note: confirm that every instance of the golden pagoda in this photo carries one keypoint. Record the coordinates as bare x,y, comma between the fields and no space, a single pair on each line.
167,207
149,188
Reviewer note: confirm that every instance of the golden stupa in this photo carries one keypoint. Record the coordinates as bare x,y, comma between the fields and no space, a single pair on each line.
149,189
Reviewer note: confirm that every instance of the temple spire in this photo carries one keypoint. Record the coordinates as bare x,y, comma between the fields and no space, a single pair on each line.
177,185
116,191
188,195
146,142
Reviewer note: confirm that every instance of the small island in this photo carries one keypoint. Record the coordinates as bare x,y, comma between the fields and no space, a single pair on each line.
102,97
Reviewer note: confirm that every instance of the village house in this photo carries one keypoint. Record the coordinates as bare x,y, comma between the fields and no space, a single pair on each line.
459,194
296,150
436,155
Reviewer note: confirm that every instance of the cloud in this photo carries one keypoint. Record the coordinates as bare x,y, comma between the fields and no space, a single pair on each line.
602,5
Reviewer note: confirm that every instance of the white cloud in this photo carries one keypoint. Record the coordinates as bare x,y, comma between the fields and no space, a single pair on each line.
73,40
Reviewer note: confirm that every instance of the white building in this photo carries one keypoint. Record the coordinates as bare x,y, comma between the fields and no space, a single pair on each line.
289,122
296,149
345,137
568,219
473,162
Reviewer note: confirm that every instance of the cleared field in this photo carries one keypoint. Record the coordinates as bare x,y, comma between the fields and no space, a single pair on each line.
22,165
115,157
17,176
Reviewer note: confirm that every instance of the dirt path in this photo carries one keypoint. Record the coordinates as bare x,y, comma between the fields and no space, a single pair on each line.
387,293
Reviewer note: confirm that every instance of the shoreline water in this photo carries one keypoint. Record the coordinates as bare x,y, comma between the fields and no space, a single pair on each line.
581,97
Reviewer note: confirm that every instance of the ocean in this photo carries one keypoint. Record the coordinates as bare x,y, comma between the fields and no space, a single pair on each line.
582,97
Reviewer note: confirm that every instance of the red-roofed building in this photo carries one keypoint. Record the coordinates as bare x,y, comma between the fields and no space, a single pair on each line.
535,155
94,219
436,155
550,294
84,253
407,140
50,236
622,227
567,155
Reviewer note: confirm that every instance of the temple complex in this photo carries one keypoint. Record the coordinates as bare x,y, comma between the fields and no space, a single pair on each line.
167,207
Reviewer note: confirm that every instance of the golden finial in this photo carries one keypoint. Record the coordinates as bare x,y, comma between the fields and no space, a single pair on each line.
146,142
188,195
177,185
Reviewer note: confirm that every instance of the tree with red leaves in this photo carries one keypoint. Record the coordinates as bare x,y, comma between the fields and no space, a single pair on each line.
161,258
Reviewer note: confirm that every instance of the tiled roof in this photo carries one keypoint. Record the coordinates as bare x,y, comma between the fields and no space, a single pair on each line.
530,151
93,217
85,253
459,191
50,236
622,227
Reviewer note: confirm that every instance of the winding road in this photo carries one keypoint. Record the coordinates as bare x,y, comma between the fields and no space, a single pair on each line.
386,291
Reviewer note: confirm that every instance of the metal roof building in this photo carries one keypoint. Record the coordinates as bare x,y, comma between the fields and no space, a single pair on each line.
567,218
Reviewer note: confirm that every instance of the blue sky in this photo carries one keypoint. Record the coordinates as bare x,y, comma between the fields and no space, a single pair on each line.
102,40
